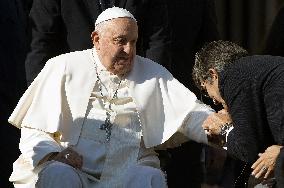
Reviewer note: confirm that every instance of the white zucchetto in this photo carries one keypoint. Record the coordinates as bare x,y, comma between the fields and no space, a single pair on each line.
114,12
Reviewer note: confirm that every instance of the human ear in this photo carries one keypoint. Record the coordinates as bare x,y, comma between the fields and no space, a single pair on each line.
213,73
95,37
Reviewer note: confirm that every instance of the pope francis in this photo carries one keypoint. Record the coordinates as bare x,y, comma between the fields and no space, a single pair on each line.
92,118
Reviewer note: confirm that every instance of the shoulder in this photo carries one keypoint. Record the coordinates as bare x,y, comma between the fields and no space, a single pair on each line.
260,61
70,57
69,62
150,66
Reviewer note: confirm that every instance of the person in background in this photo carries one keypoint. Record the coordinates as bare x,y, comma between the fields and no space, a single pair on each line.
192,24
13,45
251,89
97,125
61,26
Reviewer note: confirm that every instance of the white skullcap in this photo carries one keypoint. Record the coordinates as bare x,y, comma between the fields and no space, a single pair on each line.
114,12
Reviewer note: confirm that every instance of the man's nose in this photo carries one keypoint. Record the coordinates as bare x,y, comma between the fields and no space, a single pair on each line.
128,48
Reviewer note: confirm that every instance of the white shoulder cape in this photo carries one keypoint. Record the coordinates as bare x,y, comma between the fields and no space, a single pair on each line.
57,99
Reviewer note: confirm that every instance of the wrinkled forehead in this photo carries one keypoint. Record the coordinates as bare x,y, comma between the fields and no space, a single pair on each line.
124,22
119,26
116,22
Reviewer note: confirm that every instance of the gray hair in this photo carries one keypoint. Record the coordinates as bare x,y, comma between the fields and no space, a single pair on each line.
215,55
100,27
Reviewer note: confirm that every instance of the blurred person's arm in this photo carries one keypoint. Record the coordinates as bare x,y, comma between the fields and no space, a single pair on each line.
48,35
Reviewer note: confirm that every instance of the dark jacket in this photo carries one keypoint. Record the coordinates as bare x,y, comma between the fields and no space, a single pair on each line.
60,26
279,170
253,89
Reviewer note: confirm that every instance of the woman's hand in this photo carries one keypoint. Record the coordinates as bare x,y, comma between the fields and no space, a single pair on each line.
264,166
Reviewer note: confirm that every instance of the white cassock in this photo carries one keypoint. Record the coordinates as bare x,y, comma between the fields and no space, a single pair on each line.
65,107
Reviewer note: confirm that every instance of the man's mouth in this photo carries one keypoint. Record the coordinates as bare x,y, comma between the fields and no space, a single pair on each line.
125,58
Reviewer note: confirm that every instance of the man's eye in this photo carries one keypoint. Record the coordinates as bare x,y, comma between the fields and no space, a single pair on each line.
119,41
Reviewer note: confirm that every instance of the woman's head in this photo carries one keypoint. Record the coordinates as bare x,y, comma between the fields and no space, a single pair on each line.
215,55
210,61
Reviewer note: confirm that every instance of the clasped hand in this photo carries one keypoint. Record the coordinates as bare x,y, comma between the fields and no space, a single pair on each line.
71,157
213,127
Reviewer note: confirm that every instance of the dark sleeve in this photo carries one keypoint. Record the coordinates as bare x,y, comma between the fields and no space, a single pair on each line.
242,139
275,38
48,35
274,104
155,32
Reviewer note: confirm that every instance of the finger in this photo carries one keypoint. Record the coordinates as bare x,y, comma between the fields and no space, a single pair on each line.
268,172
257,163
76,164
72,163
258,169
207,131
79,164
255,171
262,171
76,160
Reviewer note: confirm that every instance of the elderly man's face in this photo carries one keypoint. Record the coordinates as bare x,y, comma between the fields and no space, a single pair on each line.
116,45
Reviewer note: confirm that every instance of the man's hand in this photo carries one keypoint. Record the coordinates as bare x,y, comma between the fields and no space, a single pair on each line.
212,125
264,166
69,156
216,127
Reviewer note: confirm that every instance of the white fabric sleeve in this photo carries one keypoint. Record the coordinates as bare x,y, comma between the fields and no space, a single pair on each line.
192,127
35,145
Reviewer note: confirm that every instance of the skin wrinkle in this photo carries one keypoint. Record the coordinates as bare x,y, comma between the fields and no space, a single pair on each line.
115,42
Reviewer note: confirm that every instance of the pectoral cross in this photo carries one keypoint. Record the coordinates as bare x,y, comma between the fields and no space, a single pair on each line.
107,126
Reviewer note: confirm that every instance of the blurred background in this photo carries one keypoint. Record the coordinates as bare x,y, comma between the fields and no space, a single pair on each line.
246,22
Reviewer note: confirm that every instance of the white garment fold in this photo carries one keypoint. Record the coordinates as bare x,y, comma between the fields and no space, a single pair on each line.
57,103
